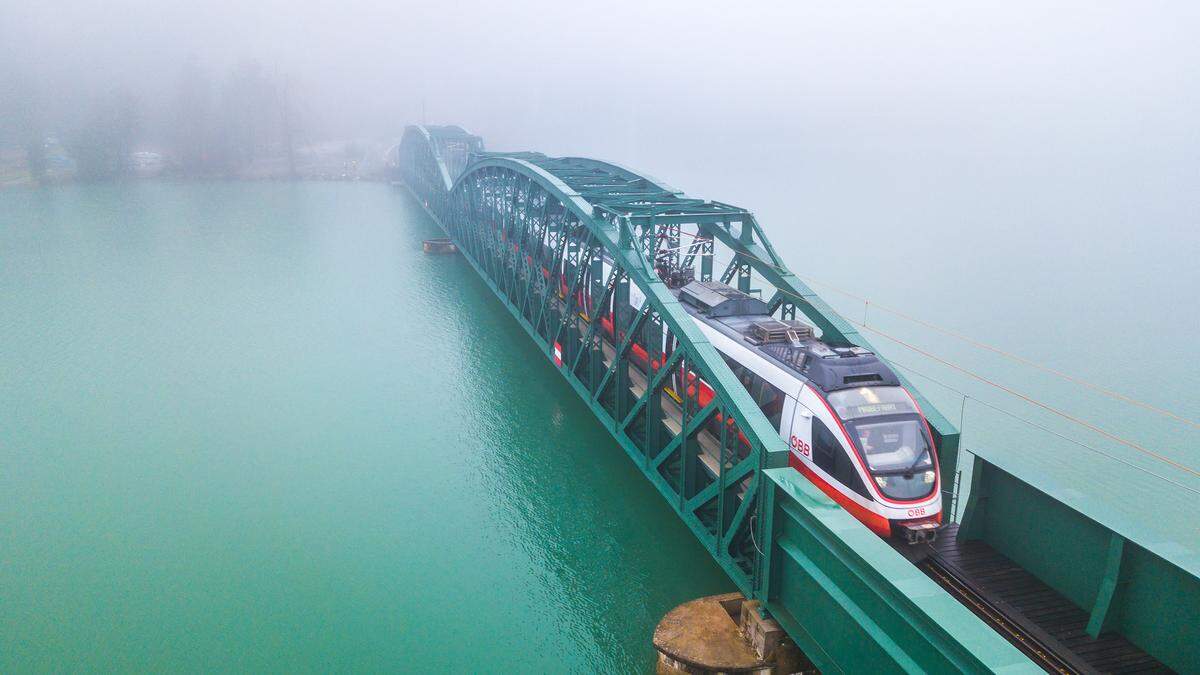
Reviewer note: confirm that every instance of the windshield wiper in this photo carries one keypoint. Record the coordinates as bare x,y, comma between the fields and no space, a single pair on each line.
914,464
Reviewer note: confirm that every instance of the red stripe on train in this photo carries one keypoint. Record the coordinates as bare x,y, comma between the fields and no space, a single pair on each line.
877,523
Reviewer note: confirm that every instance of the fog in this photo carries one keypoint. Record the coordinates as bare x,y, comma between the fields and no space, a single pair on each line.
640,81
1056,134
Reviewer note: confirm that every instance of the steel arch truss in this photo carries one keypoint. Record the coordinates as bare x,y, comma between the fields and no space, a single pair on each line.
568,275
577,250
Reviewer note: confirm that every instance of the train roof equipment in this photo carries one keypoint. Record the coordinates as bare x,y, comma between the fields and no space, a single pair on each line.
792,344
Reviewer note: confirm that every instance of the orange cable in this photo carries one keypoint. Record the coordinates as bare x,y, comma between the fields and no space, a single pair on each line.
1015,357
983,345
1035,425
1033,401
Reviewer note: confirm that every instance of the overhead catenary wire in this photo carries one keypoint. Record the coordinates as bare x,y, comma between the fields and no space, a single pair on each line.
1008,390
967,397
1009,355
1032,401
979,344
1029,399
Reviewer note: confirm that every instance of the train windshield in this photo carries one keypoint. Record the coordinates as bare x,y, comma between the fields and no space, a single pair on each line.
885,425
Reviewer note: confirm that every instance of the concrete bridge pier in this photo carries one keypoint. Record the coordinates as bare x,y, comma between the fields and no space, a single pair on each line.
725,634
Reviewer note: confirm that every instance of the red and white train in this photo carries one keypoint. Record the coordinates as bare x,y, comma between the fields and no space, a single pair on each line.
853,430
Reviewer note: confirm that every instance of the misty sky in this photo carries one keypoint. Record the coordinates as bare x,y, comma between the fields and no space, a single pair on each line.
1026,172
1056,133
617,76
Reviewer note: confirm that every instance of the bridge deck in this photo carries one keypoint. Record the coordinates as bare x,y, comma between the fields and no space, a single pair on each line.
1040,622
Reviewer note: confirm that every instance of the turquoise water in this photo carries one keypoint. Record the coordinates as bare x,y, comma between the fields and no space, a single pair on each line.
251,426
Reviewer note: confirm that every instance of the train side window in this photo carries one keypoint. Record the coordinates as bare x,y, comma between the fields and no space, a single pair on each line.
739,371
748,379
770,400
743,374
834,460
824,446
846,474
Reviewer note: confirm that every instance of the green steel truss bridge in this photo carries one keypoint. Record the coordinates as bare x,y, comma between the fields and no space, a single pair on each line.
532,225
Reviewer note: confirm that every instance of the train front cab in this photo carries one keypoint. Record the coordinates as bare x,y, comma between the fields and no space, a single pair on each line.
870,450
874,456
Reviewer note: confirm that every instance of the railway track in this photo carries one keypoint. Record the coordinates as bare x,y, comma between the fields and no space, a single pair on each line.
1036,648
1044,625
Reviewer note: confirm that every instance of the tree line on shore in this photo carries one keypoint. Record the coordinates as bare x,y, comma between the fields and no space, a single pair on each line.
202,126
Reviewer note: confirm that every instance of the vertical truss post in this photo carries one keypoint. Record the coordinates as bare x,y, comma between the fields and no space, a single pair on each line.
667,243
685,419
622,319
653,430
653,339
743,277
557,270
539,262
596,285
571,302
730,270
783,304
746,232
741,269
706,259
593,341
723,478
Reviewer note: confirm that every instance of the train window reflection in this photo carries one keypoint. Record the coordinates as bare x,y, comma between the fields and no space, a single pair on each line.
770,399
899,457
894,446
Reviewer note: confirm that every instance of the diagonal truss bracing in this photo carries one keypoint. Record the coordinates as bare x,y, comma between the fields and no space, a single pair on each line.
576,249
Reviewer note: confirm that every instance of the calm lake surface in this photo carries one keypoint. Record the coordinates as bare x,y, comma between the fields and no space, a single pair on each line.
251,426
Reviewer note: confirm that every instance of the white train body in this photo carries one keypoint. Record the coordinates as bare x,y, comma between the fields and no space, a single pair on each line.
915,509
853,430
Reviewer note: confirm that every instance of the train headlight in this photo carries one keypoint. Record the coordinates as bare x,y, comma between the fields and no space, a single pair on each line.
928,477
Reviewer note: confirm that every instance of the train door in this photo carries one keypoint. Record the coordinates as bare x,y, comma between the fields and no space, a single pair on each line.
789,411
770,399
830,456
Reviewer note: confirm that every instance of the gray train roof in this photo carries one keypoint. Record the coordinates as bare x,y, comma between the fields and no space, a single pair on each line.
790,344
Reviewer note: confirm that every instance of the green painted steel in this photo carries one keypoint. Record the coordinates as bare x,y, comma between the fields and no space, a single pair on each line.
539,229
855,605
1126,588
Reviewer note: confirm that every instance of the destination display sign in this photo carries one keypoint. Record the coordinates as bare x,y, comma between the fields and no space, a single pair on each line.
877,409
